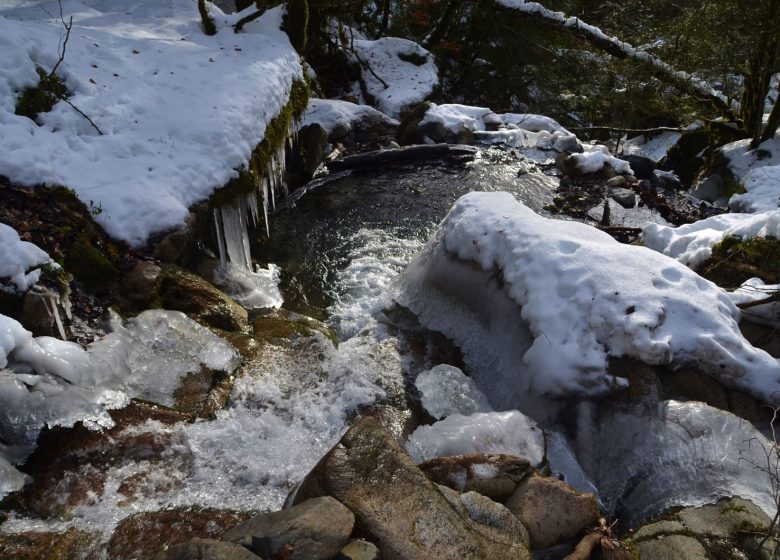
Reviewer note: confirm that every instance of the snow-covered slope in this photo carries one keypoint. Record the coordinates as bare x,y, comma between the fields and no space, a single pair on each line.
179,110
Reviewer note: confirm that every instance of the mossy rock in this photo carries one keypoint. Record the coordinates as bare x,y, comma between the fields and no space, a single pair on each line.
42,97
735,260
34,545
90,266
181,290
283,326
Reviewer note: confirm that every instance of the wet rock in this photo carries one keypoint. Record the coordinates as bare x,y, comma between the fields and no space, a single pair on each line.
72,544
407,515
725,519
207,549
359,550
140,284
42,312
145,535
672,547
643,167
316,529
551,510
663,527
409,130
617,182
625,197
493,520
310,151
181,290
494,476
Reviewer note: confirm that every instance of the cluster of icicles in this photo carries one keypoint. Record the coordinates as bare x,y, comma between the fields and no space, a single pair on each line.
232,220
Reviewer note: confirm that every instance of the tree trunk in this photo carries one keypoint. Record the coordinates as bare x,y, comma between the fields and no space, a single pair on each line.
442,26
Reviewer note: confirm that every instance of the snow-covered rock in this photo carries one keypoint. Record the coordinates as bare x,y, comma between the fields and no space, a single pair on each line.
180,111
754,290
538,306
399,73
19,261
340,117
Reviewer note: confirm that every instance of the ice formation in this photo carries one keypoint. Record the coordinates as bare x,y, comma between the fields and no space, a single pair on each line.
483,432
537,306
755,290
446,390
154,83
45,381
675,453
19,261
398,73
253,290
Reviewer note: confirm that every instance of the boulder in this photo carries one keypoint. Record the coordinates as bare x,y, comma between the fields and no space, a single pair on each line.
41,312
672,547
49,545
724,519
642,166
408,516
625,197
207,549
310,152
181,290
551,510
317,529
493,475
710,189
141,283
359,549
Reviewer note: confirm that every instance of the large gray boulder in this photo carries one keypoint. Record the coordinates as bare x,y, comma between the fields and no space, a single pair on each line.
317,529
551,510
207,549
408,516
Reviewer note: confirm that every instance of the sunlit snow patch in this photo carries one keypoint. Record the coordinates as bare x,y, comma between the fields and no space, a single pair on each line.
537,306
755,290
20,261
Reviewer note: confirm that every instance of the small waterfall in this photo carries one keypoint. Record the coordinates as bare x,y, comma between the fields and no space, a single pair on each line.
232,220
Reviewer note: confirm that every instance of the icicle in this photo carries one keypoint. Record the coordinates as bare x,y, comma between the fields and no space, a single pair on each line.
271,172
254,210
234,226
220,238
266,184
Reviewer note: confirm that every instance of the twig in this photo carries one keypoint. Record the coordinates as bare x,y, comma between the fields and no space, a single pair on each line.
363,63
80,112
247,19
64,43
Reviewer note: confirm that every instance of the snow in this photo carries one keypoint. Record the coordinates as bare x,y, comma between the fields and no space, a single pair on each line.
405,83
754,213
456,117
54,382
180,111
18,261
654,146
446,390
692,244
332,114
484,432
532,123
253,290
754,289
549,301
593,162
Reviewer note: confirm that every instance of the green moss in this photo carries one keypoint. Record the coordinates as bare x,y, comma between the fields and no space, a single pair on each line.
296,23
276,132
90,266
42,97
735,260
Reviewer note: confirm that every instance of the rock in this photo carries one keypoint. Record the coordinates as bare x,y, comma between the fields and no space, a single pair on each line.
551,510
672,547
144,535
405,514
724,519
310,151
207,549
73,544
567,143
358,550
41,312
643,167
710,189
316,529
181,290
492,122
141,284
493,520
625,197
409,130
617,182
494,476
663,527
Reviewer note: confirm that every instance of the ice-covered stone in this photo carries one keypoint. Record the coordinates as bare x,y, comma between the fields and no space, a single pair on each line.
253,290
446,390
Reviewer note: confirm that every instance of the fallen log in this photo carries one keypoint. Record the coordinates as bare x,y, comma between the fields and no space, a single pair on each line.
407,153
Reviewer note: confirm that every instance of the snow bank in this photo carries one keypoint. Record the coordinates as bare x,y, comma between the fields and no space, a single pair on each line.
52,382
446,390
538,305
456,117
484,432
18,261
180,111
593,162
398,73
759,173
334,115
692,244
